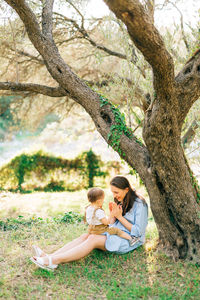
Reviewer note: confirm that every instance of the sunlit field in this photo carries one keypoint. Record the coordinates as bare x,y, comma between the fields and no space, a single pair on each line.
145,273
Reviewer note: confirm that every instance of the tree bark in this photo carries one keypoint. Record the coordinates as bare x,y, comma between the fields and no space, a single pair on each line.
161,162
179,230
175,192
34,88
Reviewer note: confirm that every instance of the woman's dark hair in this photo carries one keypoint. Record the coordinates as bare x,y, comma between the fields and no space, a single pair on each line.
122,183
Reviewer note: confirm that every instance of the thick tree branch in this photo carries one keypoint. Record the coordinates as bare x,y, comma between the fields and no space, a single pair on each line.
147,39
188,85
47,23
34,88
136,153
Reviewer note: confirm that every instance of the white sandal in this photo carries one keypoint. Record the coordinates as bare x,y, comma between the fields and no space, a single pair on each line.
39,261
38,251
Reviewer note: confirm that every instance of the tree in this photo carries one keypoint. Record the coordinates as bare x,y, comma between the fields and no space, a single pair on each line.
160,162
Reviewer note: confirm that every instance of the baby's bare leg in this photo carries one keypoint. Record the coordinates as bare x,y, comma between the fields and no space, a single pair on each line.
120,233
125,236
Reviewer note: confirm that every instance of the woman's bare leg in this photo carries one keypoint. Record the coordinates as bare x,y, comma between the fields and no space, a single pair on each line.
69,245
72,244
93,241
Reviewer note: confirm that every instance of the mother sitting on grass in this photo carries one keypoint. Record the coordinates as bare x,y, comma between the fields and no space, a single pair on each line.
131,213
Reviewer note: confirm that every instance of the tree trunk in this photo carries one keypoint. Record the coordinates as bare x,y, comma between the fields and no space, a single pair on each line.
175,201
176,213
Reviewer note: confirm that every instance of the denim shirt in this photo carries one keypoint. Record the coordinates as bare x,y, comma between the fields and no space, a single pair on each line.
138,217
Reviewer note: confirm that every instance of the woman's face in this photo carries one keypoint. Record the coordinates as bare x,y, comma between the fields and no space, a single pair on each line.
119,194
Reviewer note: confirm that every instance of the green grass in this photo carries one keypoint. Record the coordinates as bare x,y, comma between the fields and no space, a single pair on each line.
142,274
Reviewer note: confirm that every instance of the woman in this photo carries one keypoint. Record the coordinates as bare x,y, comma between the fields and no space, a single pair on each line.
131,213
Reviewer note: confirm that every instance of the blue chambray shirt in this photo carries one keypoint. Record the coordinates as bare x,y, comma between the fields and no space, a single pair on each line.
138,216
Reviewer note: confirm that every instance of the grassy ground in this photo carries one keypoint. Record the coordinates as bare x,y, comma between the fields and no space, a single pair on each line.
142,274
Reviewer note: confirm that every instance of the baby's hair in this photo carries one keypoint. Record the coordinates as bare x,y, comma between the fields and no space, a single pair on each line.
94,194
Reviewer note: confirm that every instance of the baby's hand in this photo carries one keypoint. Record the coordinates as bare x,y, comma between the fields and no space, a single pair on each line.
117,210
110,205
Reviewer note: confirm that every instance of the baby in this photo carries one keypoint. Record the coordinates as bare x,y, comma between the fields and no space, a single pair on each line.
97,220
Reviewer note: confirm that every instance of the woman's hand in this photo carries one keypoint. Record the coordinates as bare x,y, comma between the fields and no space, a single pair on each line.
117,211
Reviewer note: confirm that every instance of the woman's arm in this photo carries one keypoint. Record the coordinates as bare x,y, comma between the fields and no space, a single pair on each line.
126,223
117,212
140,219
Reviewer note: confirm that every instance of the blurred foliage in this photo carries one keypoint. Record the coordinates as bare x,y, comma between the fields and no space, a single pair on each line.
71,217
55,186
8,119
20,221
15,223
93,167
42,172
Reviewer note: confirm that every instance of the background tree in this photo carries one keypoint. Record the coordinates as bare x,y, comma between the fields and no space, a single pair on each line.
160,160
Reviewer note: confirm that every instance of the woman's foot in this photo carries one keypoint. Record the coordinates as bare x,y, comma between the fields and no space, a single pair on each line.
38,252
44,262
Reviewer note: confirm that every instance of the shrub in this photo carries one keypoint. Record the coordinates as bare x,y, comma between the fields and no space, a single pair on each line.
55,186
71,217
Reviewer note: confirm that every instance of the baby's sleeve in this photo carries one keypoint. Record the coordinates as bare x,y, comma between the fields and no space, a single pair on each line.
100,214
